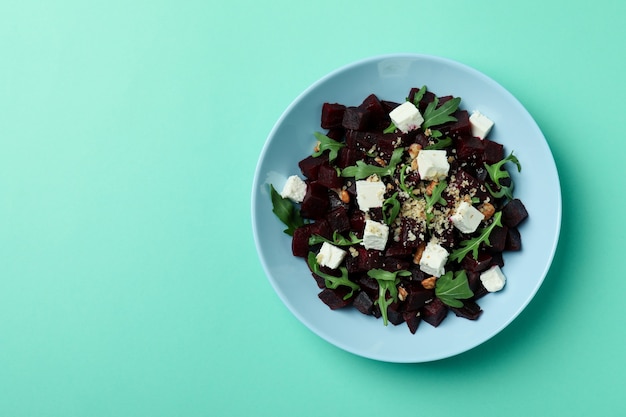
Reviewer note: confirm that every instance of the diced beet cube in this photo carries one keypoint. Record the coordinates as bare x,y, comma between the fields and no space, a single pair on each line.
513,240
338,219
494,151
412,232
443,99
497,259
336,134
470,147
470,310
389,105
434,312
315,201
475,284
467,184
447,237
363,303
357,223
369,285
394,315
370,259
347,157
392,264
327,176
362,141
398,250
461,127
377,118
332,115
427,98
300,240
310,166
476,265
497,238
417,296
514,213
412,320
334,298
376,214
355,118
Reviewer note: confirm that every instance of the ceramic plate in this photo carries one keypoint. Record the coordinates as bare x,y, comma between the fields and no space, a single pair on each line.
391,77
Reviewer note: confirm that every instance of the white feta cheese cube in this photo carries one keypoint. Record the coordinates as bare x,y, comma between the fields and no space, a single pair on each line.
432,164
481,124
406,117
370,194
330,256
434,259
466,217
294,189
375,235
493,279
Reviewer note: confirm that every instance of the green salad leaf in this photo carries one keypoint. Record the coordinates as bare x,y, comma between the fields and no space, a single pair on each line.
496,174
440,144
472,245
419,96
327,144
338,239
387,284
391,208
452,287
434,116
362,170
434,198
332,281
286,211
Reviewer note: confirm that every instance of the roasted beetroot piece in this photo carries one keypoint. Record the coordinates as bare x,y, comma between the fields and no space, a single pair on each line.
412,320
363,303
338,134
321,283
470,148
300,240
426,98
494,152
362,141
347,157
328,177
334,298
332,115
310,166
434,312
355,118
412,232
466,184
369,285
389,105
338,219
316,202
476,265
377,118
497,238
470,310
394,314
514,213
513,240
387,143
389,263
460,128
398,250
357,222
497,259
417,296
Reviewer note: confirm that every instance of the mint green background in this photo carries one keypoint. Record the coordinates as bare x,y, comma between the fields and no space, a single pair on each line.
129,281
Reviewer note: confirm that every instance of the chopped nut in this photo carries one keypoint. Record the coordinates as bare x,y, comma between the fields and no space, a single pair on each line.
431,187
344,196
414,164
429,283
487,209
317,146
414,149
402,293
380,161
417,257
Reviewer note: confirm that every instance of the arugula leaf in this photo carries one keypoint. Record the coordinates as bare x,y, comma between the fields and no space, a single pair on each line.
362,170
419,96
403,186
434,116
338,239
434,198
331,281
496,173
440,144
387,283
327,144
472,245
391,208
450,288
286,212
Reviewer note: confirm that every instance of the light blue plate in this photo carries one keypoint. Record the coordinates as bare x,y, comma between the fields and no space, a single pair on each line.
390,77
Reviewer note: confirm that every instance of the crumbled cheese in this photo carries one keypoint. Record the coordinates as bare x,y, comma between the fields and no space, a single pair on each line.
406,117
294,189
375,235
493,279
466,217
433,259
330,256
481,124
432,164
370,194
